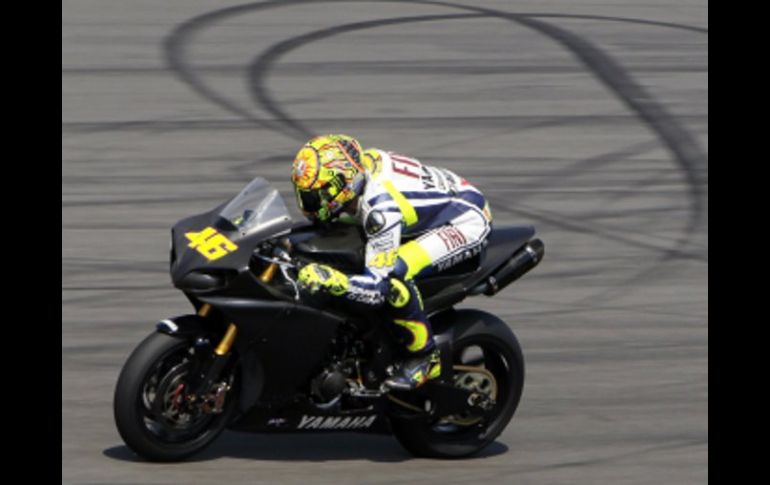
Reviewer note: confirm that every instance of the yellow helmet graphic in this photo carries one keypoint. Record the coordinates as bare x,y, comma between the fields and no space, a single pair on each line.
327,175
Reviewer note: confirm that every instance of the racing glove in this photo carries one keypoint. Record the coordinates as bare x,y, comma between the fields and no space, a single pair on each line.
315,278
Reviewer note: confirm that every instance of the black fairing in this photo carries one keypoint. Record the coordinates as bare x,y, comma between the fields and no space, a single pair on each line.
228,274
288,339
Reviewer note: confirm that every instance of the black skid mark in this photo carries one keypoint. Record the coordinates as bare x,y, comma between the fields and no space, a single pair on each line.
675,137
260,67
626,20
175,51
583,227
685,149
176,43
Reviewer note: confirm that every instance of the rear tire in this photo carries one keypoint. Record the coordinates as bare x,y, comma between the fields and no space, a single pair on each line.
158,358
502,356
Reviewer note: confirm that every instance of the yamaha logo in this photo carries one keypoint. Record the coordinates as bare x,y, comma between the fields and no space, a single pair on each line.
336,422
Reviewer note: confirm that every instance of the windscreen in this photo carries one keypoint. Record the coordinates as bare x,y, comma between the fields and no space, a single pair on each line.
257,206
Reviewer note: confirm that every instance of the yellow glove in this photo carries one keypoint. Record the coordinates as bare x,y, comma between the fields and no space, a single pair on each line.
315,277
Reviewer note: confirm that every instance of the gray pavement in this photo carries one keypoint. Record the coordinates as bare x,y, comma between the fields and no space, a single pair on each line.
588,120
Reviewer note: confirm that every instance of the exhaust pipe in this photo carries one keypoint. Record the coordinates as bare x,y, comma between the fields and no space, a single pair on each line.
520,263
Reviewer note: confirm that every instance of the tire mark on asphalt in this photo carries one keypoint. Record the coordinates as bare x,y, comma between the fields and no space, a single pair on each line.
175,50
592,163
520,122
628,20
333,68
675,137
684,147
262,64
581,227
176,43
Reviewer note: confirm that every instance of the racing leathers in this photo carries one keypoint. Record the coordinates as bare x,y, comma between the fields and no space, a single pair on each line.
443,218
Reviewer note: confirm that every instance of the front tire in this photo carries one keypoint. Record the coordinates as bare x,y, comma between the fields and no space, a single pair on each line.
482,341
154,376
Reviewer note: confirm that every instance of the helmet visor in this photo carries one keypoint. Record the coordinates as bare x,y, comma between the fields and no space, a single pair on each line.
313,200
309,200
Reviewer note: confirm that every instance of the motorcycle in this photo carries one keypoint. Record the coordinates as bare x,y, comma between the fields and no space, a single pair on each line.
255,357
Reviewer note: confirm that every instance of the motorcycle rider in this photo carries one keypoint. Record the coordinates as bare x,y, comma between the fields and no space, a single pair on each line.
442,217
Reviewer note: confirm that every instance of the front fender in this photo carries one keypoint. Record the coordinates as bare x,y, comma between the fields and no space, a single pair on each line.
183,326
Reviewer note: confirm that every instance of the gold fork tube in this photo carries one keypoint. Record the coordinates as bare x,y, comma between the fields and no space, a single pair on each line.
204,310
227,341
268,273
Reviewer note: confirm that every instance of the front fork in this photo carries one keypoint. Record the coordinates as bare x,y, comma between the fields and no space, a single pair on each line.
219,359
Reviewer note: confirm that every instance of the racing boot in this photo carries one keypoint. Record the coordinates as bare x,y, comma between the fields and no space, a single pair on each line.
414,372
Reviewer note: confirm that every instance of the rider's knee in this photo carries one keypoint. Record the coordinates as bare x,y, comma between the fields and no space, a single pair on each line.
403,293
399,295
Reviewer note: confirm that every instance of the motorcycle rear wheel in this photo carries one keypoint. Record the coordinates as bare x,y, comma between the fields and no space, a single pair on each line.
484,342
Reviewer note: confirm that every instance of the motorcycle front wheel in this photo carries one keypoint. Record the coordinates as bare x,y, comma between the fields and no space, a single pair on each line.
152,409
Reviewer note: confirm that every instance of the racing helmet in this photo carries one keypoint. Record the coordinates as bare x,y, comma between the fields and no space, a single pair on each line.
327,175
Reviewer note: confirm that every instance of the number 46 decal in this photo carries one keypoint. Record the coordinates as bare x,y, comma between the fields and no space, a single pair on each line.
383,259
211,244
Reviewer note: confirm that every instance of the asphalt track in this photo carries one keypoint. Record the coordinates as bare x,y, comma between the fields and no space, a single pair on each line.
588,120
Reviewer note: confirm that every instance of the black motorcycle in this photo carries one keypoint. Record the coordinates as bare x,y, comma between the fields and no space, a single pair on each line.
256,357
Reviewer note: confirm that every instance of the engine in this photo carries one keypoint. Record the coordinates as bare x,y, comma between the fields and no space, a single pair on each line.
330,383
346,373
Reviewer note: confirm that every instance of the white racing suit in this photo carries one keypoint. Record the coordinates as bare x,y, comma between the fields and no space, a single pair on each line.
444,217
